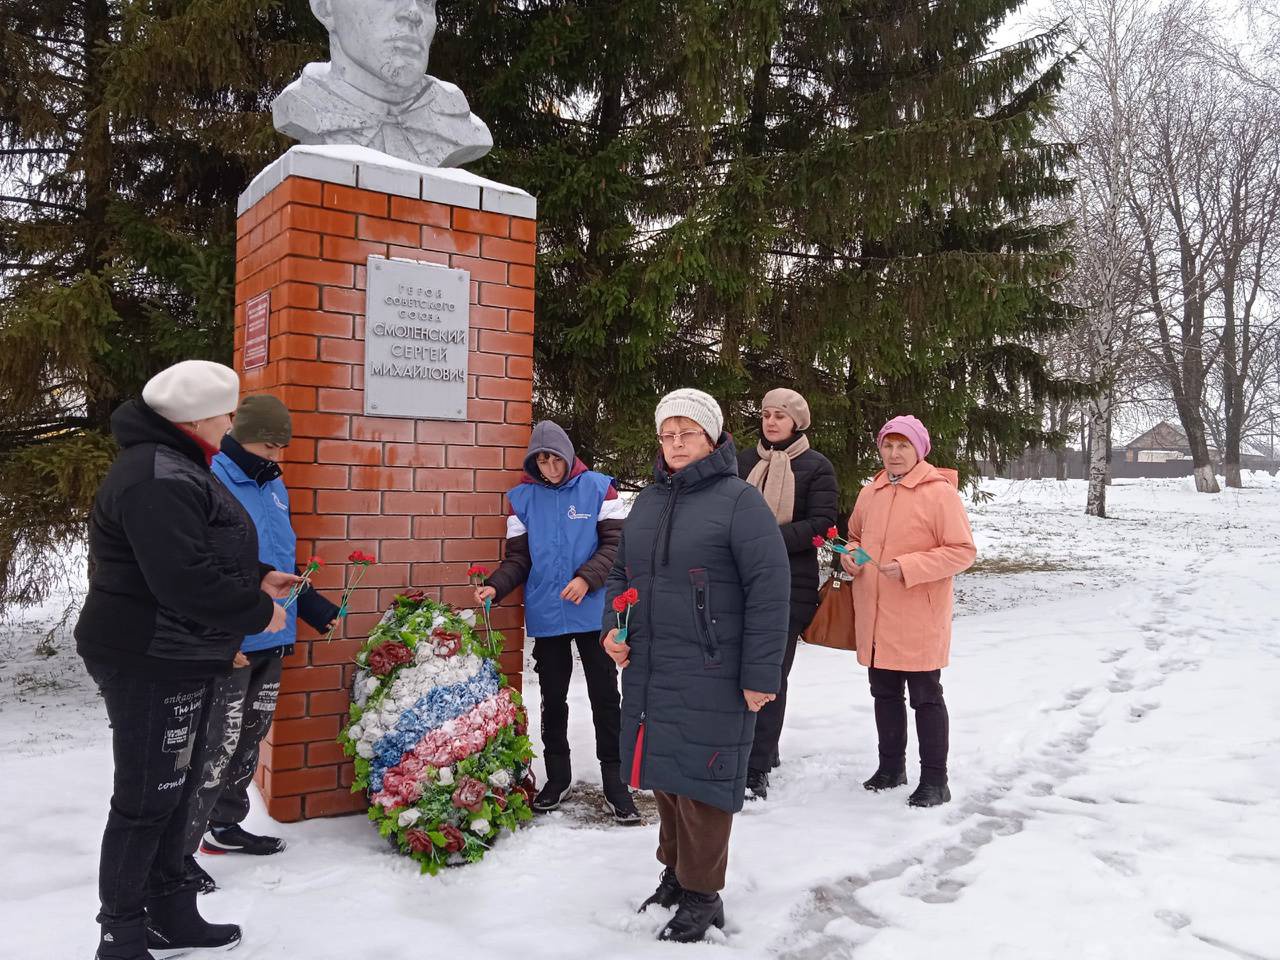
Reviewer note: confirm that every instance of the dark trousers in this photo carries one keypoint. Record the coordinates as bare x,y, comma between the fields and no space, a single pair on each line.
693,840
156,729
769,719
932,723
553,661
240,711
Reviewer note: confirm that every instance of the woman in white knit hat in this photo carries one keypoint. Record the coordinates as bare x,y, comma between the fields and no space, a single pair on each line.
799,485
175,586
703,651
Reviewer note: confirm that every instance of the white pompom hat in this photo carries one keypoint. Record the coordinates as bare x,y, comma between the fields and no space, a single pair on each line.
192,390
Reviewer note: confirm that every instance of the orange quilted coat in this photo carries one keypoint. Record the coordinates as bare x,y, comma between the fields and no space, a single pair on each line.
920,522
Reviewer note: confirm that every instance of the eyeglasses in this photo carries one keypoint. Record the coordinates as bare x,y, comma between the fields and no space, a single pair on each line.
684,437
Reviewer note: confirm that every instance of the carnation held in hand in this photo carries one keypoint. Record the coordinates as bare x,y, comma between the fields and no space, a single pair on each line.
438,736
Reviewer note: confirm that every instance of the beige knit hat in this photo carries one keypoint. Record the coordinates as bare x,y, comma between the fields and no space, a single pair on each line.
192,390
790,403
699,407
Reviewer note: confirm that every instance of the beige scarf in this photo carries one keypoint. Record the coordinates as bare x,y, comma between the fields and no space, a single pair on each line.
772,476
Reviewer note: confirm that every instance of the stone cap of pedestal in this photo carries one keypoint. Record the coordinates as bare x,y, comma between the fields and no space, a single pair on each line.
369,169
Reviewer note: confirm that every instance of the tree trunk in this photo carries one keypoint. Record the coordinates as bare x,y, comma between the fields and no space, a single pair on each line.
1202,463
1232,387
1099,413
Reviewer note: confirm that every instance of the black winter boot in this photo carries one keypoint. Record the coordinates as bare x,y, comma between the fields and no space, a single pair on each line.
617,795
668,892
175,928
775,761
123,941
930,793
558,786
697,912
886,778
757,785
197,876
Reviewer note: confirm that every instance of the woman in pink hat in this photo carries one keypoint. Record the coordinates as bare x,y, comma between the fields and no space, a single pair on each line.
911,522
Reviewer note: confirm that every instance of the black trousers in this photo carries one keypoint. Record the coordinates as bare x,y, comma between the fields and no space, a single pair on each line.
156,729
238,717
932,722
553,662
769,719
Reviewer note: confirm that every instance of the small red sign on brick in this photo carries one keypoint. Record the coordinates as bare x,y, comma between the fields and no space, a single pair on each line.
257,326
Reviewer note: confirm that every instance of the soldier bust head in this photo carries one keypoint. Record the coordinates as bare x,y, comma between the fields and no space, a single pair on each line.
375,91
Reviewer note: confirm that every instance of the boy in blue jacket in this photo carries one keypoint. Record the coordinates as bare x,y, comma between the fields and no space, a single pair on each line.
242,705
563,531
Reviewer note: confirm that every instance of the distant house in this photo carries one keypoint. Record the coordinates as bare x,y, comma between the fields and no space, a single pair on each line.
1162,443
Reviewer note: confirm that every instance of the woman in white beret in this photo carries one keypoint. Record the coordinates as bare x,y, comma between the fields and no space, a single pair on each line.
175,586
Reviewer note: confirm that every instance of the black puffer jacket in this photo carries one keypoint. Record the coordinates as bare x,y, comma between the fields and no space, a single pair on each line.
817,493
174,583
705,554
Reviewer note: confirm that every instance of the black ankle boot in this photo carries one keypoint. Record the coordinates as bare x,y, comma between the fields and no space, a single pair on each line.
174,924
667,894
697,912
123,941
757,785
617,795
932,793
558,786
886,778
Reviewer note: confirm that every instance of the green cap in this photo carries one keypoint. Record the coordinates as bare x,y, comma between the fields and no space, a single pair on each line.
262,418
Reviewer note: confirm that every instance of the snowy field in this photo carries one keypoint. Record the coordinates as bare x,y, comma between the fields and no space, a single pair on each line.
1115,768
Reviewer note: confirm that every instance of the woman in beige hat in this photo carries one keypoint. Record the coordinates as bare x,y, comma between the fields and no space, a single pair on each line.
799,485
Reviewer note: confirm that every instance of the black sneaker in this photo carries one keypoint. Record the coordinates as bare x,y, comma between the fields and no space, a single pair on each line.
234,838
930,795
196,874
551,796
698,912
757,785
668,892
617,795
884,779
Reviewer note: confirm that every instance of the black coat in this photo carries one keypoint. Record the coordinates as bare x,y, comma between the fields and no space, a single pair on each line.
173,557
705,554
815,513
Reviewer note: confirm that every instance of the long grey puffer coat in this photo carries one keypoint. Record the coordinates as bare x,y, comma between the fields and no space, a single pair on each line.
708,560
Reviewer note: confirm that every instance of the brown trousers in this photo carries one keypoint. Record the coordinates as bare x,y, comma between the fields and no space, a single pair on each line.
693,840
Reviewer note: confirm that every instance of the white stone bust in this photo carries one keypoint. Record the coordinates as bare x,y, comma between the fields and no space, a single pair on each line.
375,92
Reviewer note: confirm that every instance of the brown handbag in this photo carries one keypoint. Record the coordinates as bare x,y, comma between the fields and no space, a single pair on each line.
832,625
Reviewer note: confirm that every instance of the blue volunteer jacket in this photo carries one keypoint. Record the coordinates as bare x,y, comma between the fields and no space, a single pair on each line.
561,526
268,507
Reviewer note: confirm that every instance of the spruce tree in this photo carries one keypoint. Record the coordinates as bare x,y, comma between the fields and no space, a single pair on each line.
876,238
127,131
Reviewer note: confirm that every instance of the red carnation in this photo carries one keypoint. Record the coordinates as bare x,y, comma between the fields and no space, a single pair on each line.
475,570
454,840
469,795
833,533
359,556
819,542
632,596
620,603
388,656
419,841
415,596
314,561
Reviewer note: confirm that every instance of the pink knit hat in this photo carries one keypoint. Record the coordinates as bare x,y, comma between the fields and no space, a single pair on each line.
912,429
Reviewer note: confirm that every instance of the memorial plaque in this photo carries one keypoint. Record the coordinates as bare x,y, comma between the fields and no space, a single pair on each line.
417,316
257,331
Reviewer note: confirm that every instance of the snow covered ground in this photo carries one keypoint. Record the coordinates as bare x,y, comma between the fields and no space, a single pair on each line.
1115,735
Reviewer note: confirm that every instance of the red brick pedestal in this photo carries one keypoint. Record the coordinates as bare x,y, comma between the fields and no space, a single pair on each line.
423,496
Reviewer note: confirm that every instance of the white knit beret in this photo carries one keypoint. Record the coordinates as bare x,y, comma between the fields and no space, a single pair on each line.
699,407
192,390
